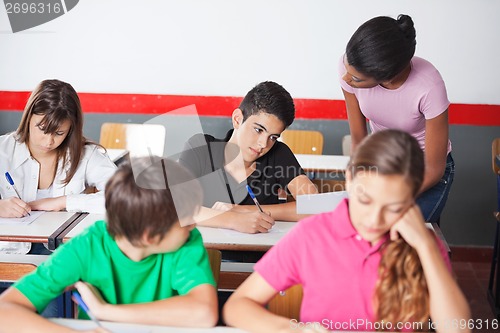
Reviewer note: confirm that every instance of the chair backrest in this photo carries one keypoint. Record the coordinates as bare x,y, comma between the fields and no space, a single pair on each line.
346,145
215,258
303,142
138,139
328,185
287,303
11,272
495,151
14,266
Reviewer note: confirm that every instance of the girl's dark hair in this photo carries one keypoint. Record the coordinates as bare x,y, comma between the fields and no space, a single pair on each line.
57,102
269,97
382,47
147,196
401,293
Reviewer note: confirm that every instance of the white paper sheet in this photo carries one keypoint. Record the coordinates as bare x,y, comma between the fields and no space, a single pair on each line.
319,203
21,220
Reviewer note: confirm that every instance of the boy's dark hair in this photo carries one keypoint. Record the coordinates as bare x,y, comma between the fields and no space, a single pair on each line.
269,97
382,47
148,196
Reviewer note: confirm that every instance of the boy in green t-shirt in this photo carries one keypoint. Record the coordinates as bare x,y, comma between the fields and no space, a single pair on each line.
146,265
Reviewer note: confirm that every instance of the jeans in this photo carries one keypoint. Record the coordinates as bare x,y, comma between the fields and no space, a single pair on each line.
432,201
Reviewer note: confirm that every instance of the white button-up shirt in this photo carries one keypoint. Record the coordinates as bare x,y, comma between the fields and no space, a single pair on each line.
94,169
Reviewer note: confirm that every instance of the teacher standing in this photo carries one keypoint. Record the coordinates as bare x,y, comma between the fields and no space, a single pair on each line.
384,82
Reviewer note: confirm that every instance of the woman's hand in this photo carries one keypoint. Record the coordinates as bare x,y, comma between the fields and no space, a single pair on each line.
49,204
14,207
411,226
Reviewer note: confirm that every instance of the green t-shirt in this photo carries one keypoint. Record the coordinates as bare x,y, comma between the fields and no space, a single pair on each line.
94,257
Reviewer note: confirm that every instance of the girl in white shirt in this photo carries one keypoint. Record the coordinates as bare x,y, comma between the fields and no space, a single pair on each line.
49,159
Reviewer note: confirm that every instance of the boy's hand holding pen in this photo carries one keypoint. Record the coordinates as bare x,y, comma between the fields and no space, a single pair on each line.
261,225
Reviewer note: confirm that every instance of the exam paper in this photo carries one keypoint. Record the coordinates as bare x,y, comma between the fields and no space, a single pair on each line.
34,214
319,203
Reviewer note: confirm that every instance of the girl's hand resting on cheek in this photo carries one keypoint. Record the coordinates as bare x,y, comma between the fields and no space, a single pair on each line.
411,227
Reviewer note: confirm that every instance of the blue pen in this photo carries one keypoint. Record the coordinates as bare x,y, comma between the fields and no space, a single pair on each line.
78,300
11,182
254,198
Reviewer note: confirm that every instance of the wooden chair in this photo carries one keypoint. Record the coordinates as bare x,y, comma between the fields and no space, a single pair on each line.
303,142
287,303
494,281
215,258
329,185
14,266
138,139
11,272
495,151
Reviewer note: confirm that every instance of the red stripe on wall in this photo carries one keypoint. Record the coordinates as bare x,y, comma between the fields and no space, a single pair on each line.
474,114
462,114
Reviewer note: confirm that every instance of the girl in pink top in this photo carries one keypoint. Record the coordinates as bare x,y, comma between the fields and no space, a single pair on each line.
371,264
384,82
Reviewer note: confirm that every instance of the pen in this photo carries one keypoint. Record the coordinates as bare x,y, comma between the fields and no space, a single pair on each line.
254,198
78,300
11,182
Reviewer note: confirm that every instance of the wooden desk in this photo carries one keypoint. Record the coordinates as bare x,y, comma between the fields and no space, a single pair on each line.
213,238
219,239
223,239
77,226
136,328
44,229
229,241
242,250
323,163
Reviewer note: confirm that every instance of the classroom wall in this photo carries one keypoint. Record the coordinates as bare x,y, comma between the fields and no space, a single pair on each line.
130,59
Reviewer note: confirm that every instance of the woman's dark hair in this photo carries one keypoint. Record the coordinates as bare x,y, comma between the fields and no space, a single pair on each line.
382,47
147,196
269,97
57,102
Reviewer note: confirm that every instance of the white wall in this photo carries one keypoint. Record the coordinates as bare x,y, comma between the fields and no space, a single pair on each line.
223,47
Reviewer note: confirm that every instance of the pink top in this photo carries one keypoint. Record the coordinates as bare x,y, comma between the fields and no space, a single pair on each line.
336,267
422,96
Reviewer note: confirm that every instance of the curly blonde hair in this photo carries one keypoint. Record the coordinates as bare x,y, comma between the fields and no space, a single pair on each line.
401,293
